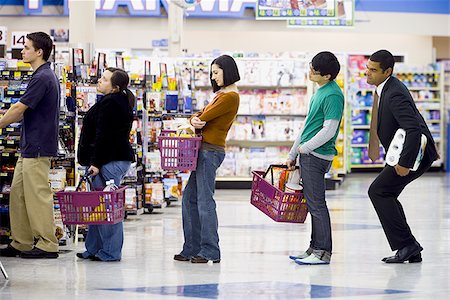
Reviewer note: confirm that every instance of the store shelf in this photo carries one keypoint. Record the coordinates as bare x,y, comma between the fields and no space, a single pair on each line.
10,154
138,211
360,126
367,166
427,100
272,115
259,87
362,108
258,144
423,88
234,178
6,174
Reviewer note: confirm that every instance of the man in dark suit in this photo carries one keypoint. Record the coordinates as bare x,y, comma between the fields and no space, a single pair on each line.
396,110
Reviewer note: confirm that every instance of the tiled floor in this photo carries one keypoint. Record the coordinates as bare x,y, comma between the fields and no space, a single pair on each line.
255,251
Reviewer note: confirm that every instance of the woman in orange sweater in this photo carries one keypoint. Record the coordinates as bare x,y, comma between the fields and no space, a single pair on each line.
201,240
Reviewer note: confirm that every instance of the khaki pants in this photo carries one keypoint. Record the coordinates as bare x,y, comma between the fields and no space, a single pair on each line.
31,206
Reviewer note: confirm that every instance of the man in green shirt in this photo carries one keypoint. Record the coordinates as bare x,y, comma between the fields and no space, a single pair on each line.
316,147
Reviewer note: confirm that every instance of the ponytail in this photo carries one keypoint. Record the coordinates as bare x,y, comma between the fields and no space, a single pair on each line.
121,79
131,98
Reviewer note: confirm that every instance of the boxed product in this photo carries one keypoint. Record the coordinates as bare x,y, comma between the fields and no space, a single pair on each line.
359,117
57,179
360,137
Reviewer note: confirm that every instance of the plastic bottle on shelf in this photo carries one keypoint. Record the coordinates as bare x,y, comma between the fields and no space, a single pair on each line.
110,186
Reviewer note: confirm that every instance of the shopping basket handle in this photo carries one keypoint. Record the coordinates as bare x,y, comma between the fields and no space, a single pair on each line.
86,178
270,169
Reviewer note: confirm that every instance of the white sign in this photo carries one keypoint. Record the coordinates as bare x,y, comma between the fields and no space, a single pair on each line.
3,35
18,39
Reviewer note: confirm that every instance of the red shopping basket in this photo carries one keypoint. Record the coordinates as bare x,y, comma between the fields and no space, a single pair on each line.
278,205
96,207
178,153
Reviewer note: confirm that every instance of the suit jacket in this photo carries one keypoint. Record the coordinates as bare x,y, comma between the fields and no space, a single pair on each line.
398,110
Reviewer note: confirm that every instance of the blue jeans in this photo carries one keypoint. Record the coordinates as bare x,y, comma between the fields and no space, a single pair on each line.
106,241
313,170
199,208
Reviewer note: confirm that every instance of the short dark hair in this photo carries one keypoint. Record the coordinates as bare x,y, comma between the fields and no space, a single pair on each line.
385,58
326,63
230,71
121,79
42,41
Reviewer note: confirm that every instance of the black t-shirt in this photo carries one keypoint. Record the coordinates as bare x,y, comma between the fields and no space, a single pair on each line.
40,124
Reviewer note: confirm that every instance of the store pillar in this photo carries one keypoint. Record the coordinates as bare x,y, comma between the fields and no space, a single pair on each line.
82,14
175,18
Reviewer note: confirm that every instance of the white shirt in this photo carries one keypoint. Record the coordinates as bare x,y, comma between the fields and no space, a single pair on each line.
379,88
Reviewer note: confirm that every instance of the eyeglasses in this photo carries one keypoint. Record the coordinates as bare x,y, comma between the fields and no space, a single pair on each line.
312,69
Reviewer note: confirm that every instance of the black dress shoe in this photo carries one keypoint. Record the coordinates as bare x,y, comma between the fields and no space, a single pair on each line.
38,253
10,251
180,257
413,259
404,254
96,258
80,255
202,260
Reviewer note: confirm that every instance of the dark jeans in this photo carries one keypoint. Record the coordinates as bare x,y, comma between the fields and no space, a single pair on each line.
313,170
384,192
199,208
106,241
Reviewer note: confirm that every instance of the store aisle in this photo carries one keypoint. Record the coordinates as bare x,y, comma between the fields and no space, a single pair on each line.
255,263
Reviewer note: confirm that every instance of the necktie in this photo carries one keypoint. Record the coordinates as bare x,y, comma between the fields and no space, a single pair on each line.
374,142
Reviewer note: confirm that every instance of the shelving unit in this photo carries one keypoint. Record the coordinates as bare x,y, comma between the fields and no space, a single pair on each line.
135,177
12,85
445,65
339,166
273,106
426,87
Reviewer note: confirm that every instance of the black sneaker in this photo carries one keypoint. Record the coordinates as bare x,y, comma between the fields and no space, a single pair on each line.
38,253
80,255
10,251
180,257
202,260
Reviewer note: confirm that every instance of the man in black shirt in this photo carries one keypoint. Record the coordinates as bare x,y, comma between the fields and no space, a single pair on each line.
31,199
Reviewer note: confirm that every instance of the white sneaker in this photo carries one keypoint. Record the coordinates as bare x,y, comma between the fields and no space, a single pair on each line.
300,256
303,255
311,260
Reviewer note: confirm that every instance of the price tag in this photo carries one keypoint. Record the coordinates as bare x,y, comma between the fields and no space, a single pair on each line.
10,142
3,34
3,174
18,39
17,155
9,129
5,73
17,74
10,92
5,154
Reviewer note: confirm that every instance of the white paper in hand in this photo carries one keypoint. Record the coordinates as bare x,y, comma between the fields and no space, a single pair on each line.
396,148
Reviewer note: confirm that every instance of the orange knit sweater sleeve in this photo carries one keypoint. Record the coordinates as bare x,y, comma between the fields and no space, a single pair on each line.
223,104
219,116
